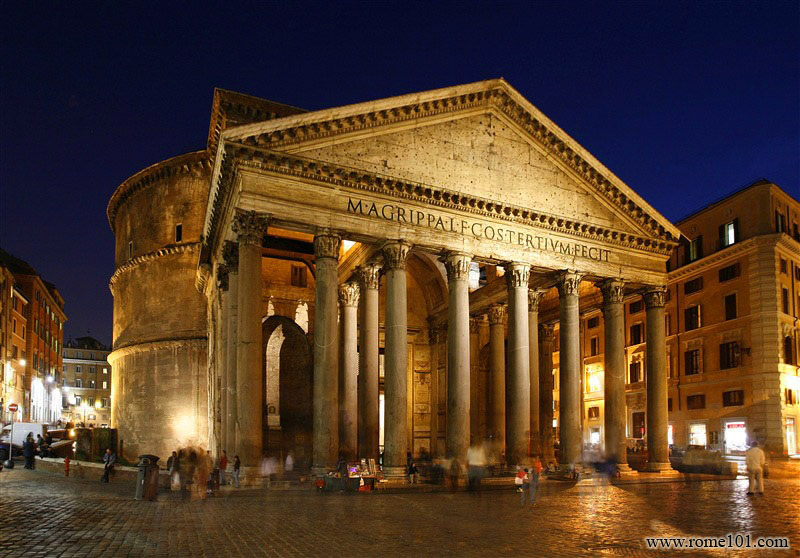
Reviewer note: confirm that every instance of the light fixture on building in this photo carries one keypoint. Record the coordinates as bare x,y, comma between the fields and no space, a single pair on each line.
23,362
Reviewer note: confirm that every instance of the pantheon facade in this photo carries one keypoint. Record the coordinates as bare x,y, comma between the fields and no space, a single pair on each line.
392,276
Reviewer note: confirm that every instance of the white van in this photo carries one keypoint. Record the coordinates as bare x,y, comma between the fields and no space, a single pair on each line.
21,431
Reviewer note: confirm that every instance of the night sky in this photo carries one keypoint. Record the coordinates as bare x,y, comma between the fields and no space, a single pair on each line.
685,102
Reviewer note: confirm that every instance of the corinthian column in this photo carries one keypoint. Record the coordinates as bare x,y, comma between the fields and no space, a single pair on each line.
518,389
230,253
546,385
534,297
348,402
657,419
369,373
614,373
497,371
326,379
395,361
222,347
458,348
249,227
569,409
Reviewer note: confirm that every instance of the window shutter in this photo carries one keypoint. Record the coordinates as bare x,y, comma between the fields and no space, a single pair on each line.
699,246
736,229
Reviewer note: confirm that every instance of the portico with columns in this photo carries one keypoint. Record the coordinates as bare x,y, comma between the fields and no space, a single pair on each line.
392,236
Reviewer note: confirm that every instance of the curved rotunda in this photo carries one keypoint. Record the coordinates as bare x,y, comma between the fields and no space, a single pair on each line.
396,275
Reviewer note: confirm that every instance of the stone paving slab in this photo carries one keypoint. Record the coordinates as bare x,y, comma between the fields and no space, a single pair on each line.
46,515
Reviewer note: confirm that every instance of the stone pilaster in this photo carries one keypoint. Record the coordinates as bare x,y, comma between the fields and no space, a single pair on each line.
458,356
546,386
497,372
369,373
348,378
534,297
518,389
569,409
326,385
395,360
249,228
221,359
614,371
230,253
657,416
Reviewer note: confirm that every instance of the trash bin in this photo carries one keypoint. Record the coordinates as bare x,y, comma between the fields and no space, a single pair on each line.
147,477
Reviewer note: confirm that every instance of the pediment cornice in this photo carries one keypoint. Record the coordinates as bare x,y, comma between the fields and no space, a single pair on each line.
494,95
236,156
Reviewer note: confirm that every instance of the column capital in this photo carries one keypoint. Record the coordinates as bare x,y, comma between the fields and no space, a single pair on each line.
568,283
395,254
230,253
222,277
534,298
497,314
348,294
326,245
655,297
547,332
613,291
369,275
475,325
250,226
457,265
517,274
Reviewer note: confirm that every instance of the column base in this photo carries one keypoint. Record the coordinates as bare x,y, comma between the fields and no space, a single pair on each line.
250,477
656,467
394,473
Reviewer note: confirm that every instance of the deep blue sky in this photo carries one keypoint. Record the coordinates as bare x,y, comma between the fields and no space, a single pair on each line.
683,101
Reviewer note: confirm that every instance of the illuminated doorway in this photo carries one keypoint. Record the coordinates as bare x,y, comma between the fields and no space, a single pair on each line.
735,436
697,434
670,434
791,436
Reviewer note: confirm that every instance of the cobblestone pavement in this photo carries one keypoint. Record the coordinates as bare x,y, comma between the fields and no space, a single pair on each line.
42,514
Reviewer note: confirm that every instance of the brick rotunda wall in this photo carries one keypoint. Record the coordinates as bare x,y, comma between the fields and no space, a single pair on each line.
159,390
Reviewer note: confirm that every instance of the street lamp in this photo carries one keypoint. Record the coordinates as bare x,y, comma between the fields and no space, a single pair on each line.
84,406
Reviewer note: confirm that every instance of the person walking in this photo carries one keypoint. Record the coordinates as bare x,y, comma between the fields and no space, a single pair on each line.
223,465
533,479
236,465
755,460
108,464
412,473
519,482
28,451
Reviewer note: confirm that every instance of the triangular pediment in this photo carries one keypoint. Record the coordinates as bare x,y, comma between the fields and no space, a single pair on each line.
482,139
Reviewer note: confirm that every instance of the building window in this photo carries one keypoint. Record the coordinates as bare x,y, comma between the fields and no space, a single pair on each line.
105,384
23,332
592,323
92,368
77,368
299,278
697,401
105,370
788,352
729,355
178,233
78,382
636,334
730,306
77,400
796,232
693,286
14,325
104,402
669,404
594,380
780,222
91,417
692,317
638,425
694,251
594,346
692,361
791,396
90,401
636,307
80,354
785,300
91,384
667,325
635,371
697,434
733,398
728,233
784,267
594,412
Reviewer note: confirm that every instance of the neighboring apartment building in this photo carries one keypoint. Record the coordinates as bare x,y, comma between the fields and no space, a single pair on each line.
732,321
87,382
13,333
44,334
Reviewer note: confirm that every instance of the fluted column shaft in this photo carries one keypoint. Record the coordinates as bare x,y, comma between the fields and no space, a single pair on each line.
369,367
395,361
497,371
534,296
249,227
518,389
222,351
657,417
326,378
614,374
546,386
230,252
458,353
569,409
348,392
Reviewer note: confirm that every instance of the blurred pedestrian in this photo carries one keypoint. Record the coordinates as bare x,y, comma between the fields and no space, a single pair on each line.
533,479
28,451
236,465
755,460
519,483
476,461
455,472
288,465
223,466
108,464
412,473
